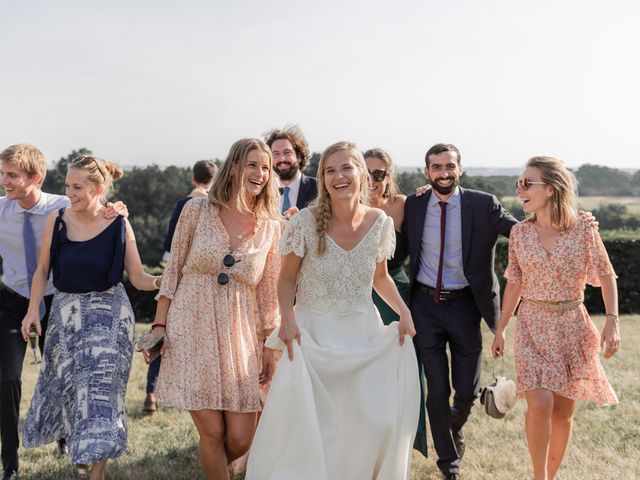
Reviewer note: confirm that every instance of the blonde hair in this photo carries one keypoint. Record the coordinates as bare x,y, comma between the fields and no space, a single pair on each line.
265,204
564,200
27,157
99,172
392,189
321,207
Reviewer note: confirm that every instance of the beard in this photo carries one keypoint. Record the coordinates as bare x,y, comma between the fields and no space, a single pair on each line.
289,172
445,190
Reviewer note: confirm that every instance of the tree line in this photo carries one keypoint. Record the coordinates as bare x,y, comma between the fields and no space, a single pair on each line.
150,193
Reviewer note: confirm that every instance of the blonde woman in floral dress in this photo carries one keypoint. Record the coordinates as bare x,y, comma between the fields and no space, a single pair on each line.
552,255
217,304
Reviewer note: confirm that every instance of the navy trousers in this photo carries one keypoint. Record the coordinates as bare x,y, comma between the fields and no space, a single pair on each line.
13,308
456,324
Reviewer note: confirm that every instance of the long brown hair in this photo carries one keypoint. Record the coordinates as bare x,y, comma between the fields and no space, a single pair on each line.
264,205
321,207
564,200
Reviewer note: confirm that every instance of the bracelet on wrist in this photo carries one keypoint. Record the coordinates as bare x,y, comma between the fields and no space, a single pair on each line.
156,282
156,325
611,315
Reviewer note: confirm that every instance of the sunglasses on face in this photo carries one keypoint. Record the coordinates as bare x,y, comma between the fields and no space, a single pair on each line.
525,183
378,175
228,261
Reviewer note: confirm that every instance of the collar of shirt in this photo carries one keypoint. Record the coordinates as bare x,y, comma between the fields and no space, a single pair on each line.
295,184
40,208
453,201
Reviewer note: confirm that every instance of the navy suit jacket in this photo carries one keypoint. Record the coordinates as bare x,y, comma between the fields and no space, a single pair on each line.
308,191
483,219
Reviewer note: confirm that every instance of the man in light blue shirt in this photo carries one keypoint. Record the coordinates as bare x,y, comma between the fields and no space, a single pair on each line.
23,213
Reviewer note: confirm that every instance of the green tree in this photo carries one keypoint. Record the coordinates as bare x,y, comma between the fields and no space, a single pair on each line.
54,180
599,180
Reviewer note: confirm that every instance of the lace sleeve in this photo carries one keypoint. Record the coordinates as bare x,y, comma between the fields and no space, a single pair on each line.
293,240
180,246
268,310
598,262
387,243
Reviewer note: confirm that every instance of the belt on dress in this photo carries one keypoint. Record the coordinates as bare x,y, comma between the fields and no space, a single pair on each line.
561,306
446,294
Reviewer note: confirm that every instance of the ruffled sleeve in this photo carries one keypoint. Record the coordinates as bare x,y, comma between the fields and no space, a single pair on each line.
597,258
513,272
387,243
268,310
293,238
180,246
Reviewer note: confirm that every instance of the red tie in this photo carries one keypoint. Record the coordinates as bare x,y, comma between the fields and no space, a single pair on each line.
443,228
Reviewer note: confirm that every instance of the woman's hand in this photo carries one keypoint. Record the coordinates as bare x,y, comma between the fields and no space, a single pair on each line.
610,337
159,330
422,190
288,332
497,347
28,320
406,327
112,210
268,365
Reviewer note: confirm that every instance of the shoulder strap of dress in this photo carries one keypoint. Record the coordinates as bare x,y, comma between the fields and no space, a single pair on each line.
55,240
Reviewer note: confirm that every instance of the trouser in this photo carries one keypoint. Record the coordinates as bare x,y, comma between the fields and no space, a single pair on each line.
152,375
13,308
455,323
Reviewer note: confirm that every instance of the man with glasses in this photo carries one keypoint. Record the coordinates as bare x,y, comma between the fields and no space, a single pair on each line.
450,236
290,157
23,212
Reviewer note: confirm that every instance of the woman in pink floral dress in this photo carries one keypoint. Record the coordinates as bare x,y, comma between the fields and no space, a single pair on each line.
217,303
552,255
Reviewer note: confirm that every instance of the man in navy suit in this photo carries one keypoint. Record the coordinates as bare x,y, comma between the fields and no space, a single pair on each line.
290,158
450,235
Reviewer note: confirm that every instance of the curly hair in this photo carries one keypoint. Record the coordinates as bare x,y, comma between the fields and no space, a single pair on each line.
295,136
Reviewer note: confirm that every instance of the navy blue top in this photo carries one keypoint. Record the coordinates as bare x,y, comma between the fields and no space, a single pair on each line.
94,265
175,216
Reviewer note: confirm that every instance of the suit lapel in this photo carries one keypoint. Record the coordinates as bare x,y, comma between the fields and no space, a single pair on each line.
302,193
419,218
467,224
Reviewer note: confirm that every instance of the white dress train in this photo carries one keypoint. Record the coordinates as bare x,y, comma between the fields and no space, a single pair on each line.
347,406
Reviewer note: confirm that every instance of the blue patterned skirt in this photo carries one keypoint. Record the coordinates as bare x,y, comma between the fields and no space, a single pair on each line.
82,384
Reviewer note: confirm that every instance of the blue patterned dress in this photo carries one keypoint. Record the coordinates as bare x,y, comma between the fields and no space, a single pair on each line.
87,353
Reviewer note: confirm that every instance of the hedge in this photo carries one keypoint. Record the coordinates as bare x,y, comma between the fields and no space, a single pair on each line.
624,252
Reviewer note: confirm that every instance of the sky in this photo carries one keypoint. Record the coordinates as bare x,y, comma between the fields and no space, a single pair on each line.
166,82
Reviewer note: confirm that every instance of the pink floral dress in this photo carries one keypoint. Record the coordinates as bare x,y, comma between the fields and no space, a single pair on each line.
213,360
558,351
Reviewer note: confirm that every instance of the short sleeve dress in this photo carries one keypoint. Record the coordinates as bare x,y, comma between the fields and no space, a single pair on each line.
558,351
214,356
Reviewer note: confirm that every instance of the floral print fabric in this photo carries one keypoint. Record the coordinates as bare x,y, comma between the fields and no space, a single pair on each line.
214,331
558,351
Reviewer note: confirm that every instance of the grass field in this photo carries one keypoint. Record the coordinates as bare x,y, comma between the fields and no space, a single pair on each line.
591,203
605,445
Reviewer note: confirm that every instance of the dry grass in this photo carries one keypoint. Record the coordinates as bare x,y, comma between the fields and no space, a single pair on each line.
605,445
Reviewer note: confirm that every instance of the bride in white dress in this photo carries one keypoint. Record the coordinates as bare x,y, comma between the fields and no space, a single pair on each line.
344,404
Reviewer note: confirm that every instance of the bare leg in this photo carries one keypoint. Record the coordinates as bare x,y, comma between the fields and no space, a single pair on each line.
561,426
538,429
211,428
240,430
97,470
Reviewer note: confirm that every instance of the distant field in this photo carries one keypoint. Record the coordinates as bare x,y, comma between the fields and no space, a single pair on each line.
591,203
605,445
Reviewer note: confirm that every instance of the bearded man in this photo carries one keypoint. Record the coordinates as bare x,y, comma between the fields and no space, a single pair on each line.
290,158
450,234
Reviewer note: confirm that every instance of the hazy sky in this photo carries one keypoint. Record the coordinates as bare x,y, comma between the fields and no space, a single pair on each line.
171,82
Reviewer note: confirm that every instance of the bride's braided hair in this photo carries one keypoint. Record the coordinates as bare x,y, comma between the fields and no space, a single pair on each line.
321,207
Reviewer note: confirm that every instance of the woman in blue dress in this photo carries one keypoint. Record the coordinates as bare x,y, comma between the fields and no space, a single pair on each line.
87,353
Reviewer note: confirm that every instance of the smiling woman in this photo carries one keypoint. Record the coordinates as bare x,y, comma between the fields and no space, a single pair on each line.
217,305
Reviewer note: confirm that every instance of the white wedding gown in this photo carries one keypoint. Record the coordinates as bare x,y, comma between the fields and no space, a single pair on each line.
347,406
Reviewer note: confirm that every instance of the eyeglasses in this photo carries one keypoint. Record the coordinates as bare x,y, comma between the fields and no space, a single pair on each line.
525,183
83,161
228,261
378,175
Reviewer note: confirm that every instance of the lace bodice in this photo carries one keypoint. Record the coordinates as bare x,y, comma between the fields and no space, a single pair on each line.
339,281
